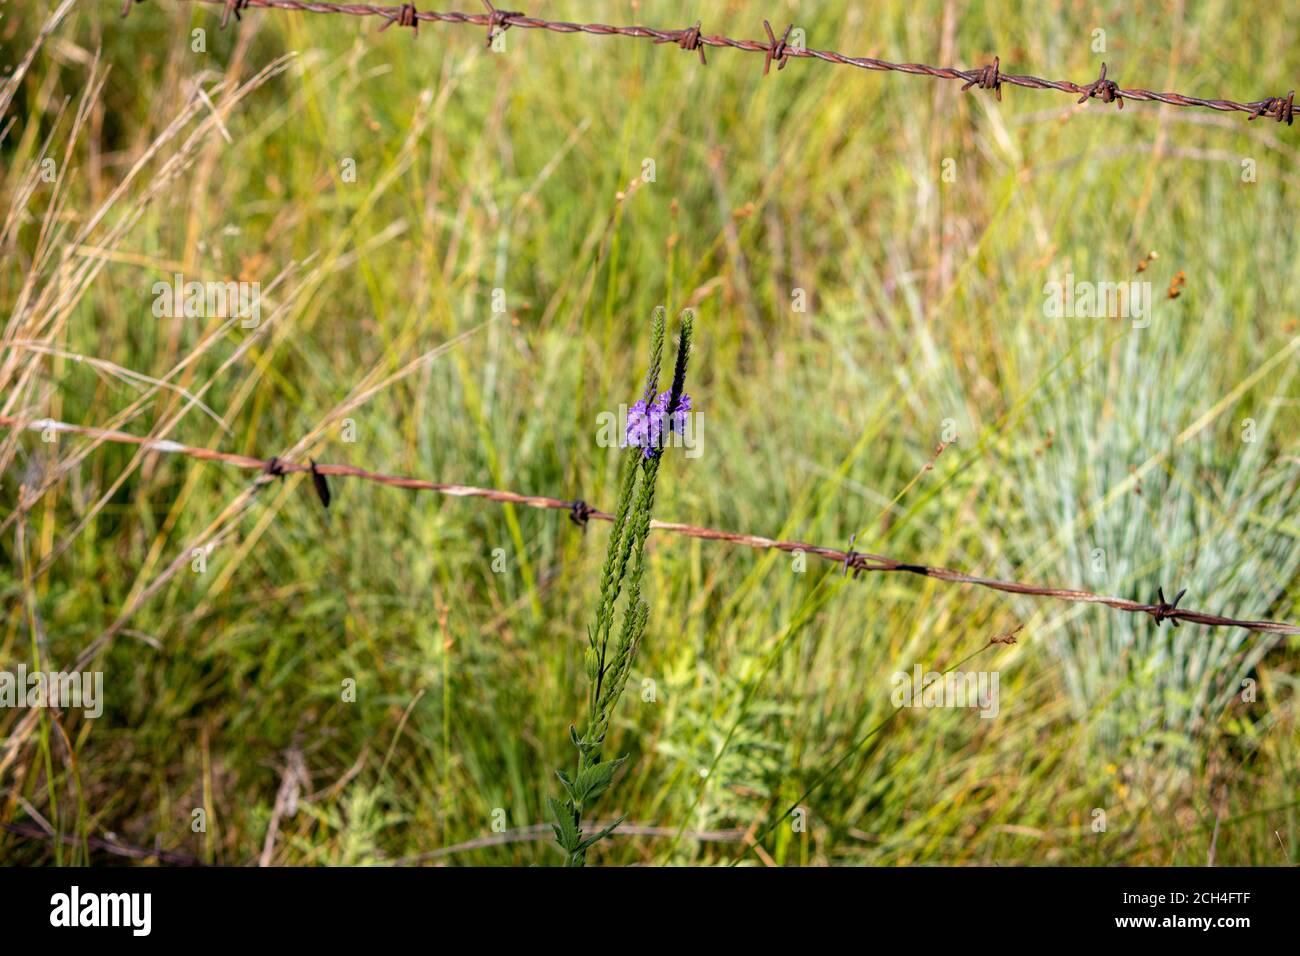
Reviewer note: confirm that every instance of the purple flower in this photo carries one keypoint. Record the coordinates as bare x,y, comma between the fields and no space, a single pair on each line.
678,418
645,422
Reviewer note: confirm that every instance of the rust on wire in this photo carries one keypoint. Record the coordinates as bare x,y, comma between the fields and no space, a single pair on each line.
776,49
407,16
773,48
859,561
689,40
990,78
1282,110
1108,90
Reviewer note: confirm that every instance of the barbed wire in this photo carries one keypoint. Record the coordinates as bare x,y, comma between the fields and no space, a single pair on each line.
774,49
580,513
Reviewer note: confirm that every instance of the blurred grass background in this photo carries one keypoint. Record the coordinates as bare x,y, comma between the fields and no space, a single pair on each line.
1088,453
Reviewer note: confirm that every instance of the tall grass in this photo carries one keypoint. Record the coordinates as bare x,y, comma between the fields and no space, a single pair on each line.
523,172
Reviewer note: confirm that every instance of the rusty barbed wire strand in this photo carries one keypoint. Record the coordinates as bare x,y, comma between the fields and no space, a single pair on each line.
580,512
1279,108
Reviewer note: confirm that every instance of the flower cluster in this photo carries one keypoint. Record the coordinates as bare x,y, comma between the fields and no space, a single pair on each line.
645,422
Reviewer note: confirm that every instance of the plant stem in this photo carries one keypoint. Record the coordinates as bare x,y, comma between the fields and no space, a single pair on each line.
607,673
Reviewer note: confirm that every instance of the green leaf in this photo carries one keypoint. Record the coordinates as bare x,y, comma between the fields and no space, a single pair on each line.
566,832
595,837
594,780
568,784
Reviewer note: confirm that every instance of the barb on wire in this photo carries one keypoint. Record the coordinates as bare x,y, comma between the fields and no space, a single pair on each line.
1108,90
408,16
498,21
858,561
580,513
851,559
1165,609
990,78
691,41
688,40
776,49
1281,109
318,480
232,6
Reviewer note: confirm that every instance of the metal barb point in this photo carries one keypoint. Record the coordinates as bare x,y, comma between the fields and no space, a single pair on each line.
322,487
688,39
274,467
497,18
580,513
691,41
232,6
852,558
1108,90
1164,610
407,16
989,78
1281,109
776,48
